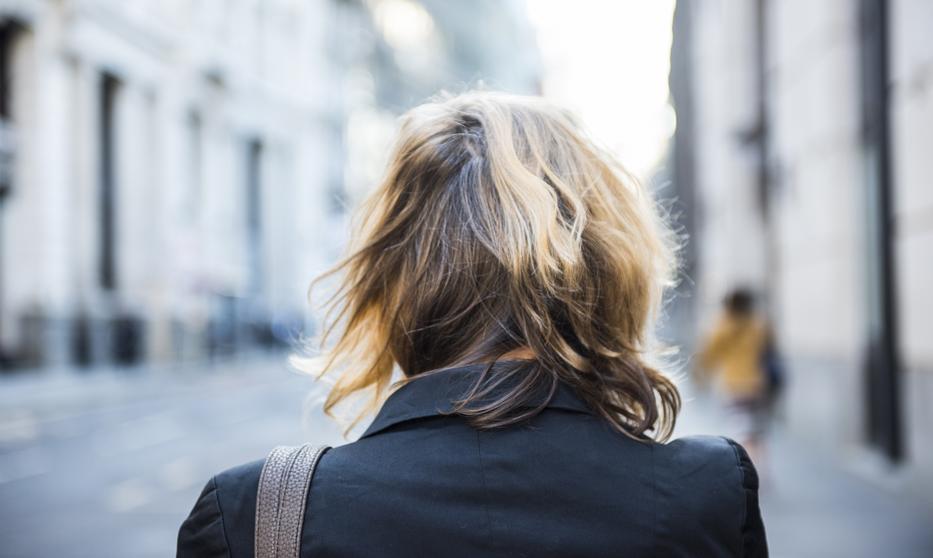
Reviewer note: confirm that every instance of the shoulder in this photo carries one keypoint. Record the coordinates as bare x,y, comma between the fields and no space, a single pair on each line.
713,486
703,447
238,484
221,523
202,532
715,457
702,473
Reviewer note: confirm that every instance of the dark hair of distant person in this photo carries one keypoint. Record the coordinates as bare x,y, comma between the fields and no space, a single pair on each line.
740,302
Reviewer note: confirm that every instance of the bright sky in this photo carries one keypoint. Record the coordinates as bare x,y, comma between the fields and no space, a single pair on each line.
608,61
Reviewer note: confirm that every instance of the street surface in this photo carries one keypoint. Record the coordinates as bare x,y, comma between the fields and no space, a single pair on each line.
112,471
109,464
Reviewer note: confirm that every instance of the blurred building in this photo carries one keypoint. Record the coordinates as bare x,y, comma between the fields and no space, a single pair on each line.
162,163
173,174
398,53
805,144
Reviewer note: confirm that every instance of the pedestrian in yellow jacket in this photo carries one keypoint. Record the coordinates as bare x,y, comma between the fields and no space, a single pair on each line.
732,355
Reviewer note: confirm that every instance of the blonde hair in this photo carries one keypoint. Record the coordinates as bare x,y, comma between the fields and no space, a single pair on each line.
500,224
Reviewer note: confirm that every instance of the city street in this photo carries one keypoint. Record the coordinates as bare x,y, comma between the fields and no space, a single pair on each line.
109,464
190,189
116,477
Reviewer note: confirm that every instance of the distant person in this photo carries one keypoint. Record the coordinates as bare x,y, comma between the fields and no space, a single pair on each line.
739,356
508,269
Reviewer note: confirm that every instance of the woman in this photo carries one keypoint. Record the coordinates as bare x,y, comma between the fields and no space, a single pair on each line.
510,269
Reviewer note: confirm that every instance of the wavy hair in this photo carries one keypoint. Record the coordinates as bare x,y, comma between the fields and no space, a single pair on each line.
499,224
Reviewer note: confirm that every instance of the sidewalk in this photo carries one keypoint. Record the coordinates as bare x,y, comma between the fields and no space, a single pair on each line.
815,506
114,459
29,398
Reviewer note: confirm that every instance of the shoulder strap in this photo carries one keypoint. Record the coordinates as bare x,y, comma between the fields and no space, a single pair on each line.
280,501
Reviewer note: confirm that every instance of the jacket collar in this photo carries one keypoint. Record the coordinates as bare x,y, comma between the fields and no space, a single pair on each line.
434,394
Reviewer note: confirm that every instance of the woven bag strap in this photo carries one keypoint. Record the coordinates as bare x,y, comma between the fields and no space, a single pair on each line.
280,501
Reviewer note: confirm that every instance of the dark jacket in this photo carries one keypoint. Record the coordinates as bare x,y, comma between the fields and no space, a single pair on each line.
564,483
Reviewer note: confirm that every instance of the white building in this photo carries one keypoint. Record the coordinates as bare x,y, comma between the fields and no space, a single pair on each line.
171,162
175,173
810,130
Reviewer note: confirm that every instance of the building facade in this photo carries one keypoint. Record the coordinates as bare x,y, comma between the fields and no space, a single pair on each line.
806,155
163,163
173,173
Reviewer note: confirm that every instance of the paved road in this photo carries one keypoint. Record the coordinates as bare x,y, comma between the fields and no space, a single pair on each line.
117,477
109,464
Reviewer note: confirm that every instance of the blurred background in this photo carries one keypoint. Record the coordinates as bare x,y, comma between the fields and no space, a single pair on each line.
174,173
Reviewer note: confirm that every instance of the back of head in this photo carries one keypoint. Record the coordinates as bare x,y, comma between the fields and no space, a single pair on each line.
499,224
